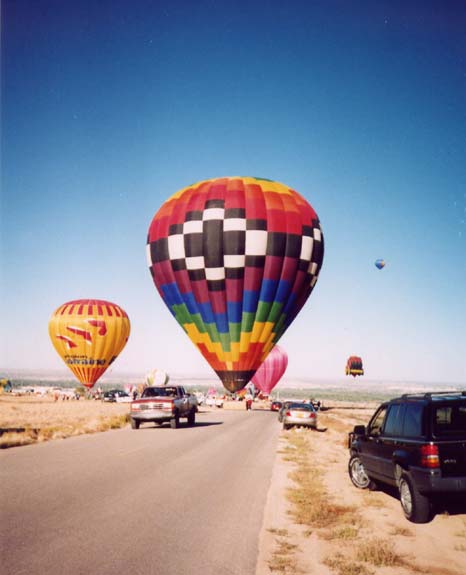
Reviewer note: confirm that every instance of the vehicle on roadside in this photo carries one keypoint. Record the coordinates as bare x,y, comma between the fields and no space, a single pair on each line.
275,405
116,396
416,443
282,410
214,402
160,404
298,414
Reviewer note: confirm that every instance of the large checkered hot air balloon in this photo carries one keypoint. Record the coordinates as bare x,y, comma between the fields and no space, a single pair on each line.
234,260
89,334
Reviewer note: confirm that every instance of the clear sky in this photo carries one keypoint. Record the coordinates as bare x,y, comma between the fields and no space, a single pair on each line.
110,107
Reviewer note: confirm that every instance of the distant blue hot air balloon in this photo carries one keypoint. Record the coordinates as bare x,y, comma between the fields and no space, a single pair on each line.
379,264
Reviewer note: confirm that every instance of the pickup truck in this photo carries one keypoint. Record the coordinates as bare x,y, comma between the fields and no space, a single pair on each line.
163,404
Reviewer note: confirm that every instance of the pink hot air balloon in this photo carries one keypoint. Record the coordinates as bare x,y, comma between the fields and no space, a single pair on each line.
271,370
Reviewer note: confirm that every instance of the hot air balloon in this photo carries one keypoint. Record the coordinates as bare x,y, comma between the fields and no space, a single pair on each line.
271,370
157,377
354,366
89,334
379,264
235,259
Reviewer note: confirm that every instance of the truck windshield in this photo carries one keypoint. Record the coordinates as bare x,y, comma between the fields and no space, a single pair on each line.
159,392
450,419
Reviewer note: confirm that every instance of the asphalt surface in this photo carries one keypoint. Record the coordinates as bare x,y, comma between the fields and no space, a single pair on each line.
156,501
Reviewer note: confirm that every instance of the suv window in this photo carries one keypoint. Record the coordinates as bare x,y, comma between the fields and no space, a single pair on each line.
450,419
394,420
376,422
413,420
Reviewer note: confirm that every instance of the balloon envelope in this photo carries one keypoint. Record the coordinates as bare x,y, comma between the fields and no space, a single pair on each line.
235,259
354,366
379,264
271,370
157,377
89,334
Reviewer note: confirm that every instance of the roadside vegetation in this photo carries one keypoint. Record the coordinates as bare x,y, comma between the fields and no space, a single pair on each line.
311,504
26,420
331,528
321,515
283,560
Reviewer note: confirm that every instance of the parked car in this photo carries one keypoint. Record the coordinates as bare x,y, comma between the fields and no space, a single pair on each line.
116,396
214,402
275,405
418,444
299,414
282,409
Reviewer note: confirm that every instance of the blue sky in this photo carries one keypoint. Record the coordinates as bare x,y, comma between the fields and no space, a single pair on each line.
110,107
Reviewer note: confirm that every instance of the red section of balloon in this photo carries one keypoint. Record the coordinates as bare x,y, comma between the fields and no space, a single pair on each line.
272,370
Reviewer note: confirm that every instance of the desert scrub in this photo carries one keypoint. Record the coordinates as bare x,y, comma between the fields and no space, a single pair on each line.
280,532
114,422
374,500
379,552
311,504
344,532
58,421
284,555
403,531
343,566
17,438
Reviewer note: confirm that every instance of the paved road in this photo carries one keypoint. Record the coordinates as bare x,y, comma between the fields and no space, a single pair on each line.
156,501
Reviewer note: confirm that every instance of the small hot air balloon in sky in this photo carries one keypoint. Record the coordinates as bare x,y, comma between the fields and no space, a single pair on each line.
157,377
354,366
89,334
235,259
271,370
379,264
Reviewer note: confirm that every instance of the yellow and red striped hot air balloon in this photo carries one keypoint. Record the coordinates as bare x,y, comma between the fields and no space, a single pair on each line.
88,335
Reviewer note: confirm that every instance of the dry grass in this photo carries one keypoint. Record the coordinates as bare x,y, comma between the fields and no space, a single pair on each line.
311,505
32,419
343,532
403,531
279,532
343,566
283,558
375,500
379,552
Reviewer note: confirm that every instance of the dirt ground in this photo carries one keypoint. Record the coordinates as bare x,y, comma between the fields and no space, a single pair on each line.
435,548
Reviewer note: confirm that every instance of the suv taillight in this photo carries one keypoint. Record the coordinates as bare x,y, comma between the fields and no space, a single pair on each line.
429,456
288,414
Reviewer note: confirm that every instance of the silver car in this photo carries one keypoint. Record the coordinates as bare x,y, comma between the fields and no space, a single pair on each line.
299,414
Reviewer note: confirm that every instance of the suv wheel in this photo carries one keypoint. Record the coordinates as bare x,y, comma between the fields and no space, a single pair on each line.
135,423
416,507
358,474
175,422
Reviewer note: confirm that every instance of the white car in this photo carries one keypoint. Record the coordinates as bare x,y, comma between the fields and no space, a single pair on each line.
214,402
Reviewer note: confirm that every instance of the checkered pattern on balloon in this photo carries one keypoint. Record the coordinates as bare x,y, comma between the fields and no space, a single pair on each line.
234,260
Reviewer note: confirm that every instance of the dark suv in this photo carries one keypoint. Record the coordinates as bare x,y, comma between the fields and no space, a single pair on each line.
416,443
